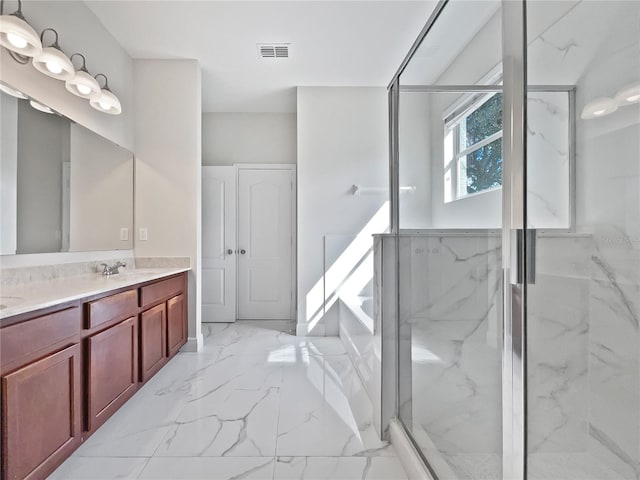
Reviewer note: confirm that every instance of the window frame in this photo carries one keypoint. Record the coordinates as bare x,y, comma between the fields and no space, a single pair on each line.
452,126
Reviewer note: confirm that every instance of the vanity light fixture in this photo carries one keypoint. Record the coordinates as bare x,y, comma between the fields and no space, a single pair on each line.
599,107
629,94
23,44
82,83
40,107
17,36
52,61
12,91
105,101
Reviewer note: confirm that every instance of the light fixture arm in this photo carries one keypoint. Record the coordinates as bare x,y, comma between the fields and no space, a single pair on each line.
106,81
17,13
84,61
55,44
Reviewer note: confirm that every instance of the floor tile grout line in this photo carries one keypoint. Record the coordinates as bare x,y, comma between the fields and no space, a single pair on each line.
275,452
146,464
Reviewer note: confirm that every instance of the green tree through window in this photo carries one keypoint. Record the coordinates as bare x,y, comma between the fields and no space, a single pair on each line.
484,165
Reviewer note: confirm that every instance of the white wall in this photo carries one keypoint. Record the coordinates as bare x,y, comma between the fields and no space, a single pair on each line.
168,150
415,160
342,141
80,31
229,138
101,193
8,173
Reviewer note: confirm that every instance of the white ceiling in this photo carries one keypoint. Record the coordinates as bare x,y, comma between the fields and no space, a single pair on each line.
333,43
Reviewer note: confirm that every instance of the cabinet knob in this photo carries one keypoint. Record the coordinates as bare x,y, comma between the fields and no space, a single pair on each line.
243,251
229,252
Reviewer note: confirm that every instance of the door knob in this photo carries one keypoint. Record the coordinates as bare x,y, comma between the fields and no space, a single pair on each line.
243,251
229,252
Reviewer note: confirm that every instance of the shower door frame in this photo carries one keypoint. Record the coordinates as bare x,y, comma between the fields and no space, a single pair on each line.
517,251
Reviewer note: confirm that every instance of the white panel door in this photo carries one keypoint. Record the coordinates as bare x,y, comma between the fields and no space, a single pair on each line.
265,243
218,244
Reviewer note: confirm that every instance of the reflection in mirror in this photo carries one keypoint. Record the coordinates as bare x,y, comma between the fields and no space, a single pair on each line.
64,188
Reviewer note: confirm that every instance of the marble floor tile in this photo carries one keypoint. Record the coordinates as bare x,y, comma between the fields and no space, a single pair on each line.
209,468
227,412
338,468
139,426
320,419
99,468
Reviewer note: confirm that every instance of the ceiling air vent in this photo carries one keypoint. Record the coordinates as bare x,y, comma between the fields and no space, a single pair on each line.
273,50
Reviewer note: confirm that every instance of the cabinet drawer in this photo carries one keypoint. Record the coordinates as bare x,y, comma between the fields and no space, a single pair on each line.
27,341
112,309
155,292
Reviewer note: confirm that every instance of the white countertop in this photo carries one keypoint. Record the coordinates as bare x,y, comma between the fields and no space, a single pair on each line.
33,296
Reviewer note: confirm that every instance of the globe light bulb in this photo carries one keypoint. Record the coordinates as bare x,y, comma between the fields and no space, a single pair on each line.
83,89
16,40
54,67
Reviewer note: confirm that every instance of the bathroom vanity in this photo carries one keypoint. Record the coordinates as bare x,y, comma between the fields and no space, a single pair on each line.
73,351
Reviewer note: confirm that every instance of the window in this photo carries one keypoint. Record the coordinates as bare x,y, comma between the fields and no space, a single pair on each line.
473,147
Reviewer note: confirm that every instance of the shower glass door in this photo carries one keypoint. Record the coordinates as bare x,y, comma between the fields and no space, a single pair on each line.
583,217
450,218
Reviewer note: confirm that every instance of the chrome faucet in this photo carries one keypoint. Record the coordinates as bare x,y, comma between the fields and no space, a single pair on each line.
107,270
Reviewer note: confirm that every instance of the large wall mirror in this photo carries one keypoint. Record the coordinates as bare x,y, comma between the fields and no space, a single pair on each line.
64,188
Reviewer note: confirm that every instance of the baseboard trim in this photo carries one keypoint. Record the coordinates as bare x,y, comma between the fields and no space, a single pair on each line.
407,453
194,344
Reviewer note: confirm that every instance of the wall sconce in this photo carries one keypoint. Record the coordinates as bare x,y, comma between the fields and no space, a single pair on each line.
604,105
105,101
52,61
17,36
599,108
629,94
82,84
40,107
23,44
12,91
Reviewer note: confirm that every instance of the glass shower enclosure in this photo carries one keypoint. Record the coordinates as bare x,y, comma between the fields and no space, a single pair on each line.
515,208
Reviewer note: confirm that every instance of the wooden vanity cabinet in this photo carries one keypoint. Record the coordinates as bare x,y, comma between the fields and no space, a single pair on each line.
41,411
176,324
63,374
153,337
163,323
112,370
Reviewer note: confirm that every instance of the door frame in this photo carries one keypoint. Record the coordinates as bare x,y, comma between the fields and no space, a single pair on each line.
294,224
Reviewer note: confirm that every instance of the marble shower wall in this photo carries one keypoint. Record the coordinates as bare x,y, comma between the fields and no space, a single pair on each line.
614,352
450,308
584,393
558,345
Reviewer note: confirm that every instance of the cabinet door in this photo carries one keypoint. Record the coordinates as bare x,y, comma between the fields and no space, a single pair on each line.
176,324
41,415
153,340
113,370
